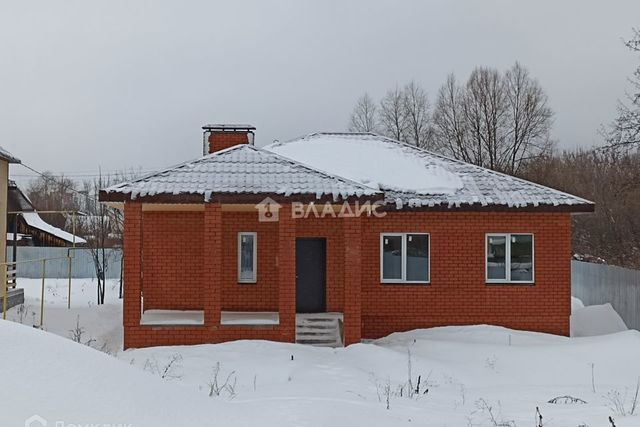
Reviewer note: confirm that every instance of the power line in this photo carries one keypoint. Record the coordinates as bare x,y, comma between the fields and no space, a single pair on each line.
52,179
80,175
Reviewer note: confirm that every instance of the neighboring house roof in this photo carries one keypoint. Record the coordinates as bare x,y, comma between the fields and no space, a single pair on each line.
33,220
415,178
19,202
5,155
242,169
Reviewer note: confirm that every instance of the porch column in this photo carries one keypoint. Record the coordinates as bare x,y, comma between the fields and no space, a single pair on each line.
352,280
132,274
287,273
212,269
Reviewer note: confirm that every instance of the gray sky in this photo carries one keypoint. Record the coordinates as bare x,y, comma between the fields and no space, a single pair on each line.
120,84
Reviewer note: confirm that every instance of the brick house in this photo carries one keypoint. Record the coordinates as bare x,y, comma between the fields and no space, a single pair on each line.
334,238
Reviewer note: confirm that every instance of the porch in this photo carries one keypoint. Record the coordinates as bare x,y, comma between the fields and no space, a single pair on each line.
319,329
184,280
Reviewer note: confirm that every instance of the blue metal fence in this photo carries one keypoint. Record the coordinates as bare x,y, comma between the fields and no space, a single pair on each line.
600,283
82,264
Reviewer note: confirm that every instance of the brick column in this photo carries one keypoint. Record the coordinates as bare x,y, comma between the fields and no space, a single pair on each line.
212,268
287,273
132,252
352,280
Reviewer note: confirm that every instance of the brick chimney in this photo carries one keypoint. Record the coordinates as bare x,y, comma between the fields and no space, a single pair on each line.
220,136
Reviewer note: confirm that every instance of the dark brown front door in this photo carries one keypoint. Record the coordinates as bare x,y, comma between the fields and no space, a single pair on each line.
311,265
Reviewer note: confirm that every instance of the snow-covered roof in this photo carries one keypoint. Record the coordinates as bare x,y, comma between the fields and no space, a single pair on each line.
341,165
33,220
413,177
242,169
5,155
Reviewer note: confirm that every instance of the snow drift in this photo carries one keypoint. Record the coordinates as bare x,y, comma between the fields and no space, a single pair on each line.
62,381
595,320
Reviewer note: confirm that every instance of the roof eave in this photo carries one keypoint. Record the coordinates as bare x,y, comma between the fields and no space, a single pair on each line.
477,207
11,160
236,198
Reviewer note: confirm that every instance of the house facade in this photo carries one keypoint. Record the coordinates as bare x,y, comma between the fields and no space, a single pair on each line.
352,234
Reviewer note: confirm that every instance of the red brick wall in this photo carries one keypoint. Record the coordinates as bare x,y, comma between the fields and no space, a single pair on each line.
352,232
132,266
458,294
222,140
259,296
173,258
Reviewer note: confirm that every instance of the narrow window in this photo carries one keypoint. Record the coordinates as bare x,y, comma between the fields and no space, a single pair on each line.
247,257
392,257
510,258
404,258
496,257
521,258
417,258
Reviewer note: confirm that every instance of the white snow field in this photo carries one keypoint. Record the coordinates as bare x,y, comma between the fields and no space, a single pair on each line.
469,376
102,324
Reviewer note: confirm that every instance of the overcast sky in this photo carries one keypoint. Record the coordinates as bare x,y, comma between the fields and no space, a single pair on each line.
121,84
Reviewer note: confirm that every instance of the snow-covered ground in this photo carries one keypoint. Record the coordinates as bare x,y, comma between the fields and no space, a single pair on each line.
468,376
100,325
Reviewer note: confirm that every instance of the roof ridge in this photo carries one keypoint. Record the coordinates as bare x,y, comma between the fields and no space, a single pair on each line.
316,170
308,135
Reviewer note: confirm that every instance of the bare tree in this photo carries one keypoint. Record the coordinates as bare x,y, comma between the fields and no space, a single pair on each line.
393,118
610,178
625,129
495,120
48,192
417,115
103,227
364,115
97,224
484,109
529,118
450,126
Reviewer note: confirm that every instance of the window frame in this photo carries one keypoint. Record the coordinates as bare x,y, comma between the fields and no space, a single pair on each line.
507,280
254,277
403,262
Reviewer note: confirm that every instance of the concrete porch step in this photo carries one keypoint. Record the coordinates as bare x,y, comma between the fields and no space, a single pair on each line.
319,329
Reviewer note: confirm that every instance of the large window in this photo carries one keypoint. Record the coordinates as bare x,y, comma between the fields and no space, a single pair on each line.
247,257
510,258
404,258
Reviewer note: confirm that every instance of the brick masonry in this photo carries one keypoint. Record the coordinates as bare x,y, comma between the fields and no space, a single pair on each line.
190,262
221,140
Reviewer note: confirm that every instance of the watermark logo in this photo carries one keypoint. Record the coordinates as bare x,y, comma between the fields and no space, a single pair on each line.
38,421
344,210
268,210
35,421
